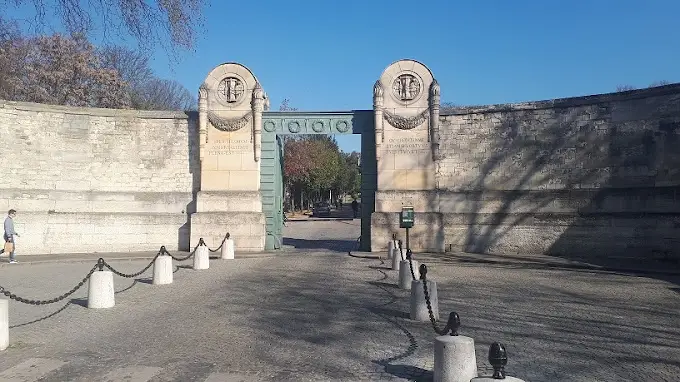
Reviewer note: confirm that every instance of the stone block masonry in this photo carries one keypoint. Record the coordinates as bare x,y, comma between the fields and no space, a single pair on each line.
98,180
584,177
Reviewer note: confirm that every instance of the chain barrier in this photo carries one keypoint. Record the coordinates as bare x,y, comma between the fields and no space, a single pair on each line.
187,257
452,324
409,256
14,297
227,236
401,250
101,263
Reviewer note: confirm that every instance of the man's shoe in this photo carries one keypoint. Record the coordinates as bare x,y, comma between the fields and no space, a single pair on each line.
13,261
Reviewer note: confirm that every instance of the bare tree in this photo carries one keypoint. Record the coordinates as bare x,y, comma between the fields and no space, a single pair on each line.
131,65
447,107
659,83
148,22
624,88
58,70
159,94
285,106
12,53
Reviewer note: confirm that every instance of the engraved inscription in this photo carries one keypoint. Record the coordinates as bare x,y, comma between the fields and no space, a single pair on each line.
229,146
406,145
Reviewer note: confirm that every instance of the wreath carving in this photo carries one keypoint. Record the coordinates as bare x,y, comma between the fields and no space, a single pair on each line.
406,123
229,124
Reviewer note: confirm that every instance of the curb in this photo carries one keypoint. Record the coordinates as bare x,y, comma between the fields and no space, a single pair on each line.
590,267
93,259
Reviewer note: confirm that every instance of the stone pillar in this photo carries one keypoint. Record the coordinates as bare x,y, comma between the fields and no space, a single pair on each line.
406,103
231,101
378,116
202,119
258,107
435,99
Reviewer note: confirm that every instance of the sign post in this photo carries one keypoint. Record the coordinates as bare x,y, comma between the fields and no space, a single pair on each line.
406,220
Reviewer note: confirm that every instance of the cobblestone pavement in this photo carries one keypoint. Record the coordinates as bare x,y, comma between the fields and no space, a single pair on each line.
327,316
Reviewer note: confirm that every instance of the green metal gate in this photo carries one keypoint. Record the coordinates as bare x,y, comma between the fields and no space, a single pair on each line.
276,124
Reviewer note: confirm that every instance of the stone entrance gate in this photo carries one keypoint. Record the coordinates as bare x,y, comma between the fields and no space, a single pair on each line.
241,151
575,177
276,124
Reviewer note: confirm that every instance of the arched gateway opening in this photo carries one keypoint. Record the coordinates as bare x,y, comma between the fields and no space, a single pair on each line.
241,154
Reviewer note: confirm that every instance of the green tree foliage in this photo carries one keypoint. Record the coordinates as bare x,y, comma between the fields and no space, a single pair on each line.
314,166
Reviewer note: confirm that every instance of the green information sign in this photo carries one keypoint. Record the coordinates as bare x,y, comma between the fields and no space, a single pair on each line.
406,218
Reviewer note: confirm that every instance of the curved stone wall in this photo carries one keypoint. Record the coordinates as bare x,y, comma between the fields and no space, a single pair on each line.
596,176
97,180
587,176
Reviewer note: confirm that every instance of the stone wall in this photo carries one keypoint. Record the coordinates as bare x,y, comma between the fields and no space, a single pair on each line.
595,176
97,180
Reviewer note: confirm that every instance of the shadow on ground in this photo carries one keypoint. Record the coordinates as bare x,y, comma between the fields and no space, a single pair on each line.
335,245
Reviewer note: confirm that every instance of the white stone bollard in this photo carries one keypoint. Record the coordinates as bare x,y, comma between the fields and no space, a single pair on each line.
100,293
162,270
4,323
454,359
202,257
405,277
396,260
498,358
390,249
419,310
228,248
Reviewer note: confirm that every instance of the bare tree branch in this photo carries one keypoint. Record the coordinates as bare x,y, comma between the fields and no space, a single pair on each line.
147,22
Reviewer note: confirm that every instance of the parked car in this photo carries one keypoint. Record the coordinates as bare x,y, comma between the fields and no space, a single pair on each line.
321,209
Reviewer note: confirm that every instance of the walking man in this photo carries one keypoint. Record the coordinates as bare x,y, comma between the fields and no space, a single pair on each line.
9,235
355,207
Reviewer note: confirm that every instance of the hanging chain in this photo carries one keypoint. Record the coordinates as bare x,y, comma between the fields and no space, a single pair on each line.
14,297
409,256
130,275
187,257
452,324
222,244
101,264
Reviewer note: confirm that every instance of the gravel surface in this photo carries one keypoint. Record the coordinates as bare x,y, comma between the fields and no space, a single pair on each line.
318,314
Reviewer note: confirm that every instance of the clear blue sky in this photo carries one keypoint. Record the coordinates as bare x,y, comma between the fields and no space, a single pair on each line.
326,55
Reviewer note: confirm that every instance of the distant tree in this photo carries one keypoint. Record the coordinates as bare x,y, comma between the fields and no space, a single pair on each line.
148,22
133,68
285,106
13,51
624,88
58,70
349,175
659,83
159,94
447,107
145,90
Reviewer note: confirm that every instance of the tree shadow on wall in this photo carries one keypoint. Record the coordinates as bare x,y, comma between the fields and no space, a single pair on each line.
194,163
589,182
427,233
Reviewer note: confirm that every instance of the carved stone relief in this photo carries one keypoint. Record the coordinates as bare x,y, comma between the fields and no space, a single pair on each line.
230,124
406,123
230,90
406,87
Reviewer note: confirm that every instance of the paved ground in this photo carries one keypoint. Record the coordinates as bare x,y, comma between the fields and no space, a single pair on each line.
319,314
